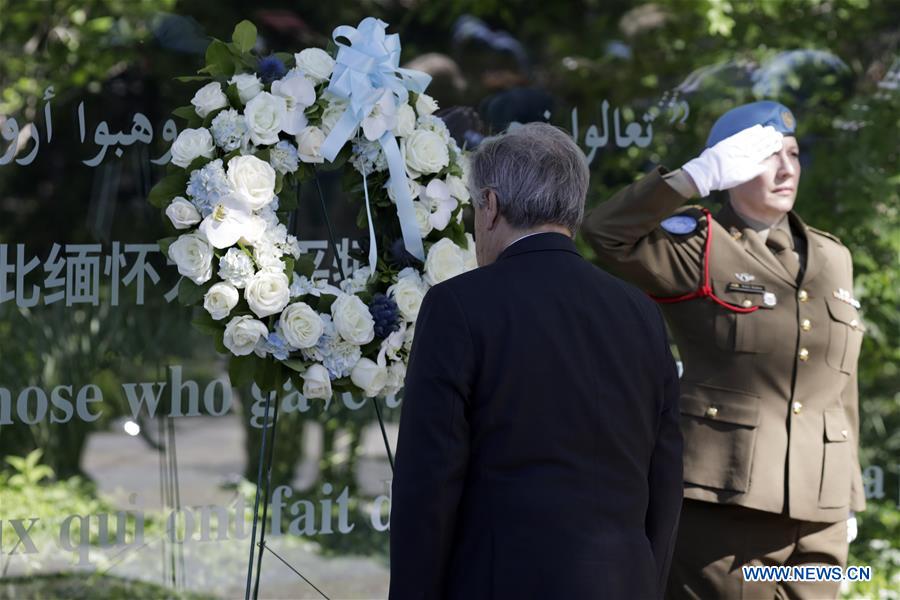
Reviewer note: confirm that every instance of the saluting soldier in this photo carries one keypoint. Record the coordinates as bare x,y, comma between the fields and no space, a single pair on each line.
761,308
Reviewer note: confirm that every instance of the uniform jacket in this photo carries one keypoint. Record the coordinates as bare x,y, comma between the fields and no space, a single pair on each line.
769,408
539,453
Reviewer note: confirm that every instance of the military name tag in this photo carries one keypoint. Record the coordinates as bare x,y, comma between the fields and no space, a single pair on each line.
746,288
845,296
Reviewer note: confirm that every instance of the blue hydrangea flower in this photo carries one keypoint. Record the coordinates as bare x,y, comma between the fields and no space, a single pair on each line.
283,157
275,345
207,186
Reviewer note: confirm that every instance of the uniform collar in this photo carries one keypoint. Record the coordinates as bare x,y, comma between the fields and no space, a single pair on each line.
543,241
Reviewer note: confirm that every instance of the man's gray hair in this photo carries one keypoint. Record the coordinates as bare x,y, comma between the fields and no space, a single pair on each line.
538,173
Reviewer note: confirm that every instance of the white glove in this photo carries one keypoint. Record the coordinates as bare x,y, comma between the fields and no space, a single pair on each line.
851,528
734,160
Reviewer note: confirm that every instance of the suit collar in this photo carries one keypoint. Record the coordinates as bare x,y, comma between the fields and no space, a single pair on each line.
756,247
539,243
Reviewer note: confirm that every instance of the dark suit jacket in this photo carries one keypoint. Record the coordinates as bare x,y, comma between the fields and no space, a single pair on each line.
539,452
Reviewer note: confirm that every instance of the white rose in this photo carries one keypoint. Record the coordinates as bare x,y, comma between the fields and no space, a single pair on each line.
191,144
396,373
458,189
252,180
352,319
209,98
426,152
265,116
316,382
469,253
369,376
445,260
423,218
182,213
242,334
408,293
406,120
302,326
332,113
425,105
315,63
220,299
193,255
248,86
267,293
309,144
415,188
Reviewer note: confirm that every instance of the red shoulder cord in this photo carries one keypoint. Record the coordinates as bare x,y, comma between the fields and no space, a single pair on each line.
705,290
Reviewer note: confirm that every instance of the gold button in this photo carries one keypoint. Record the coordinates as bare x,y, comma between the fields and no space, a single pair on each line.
711,412
854,324
797,407
805,325
746,303
803,296
804,354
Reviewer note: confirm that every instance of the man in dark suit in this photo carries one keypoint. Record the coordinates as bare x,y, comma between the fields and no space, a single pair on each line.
539,452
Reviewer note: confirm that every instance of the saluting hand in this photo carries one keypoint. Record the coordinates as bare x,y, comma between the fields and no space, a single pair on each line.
734,160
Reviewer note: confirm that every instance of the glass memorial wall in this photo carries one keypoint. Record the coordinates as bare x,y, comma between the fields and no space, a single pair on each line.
131,451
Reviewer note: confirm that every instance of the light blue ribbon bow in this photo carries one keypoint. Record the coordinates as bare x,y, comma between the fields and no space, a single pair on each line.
363,72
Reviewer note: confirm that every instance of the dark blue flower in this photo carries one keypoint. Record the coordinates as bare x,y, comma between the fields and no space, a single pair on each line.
271,69
386,314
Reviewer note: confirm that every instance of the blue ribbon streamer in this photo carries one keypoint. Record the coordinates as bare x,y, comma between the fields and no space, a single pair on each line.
363,72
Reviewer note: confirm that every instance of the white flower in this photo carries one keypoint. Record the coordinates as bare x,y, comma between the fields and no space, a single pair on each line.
316,382
426,152
414,189
193,255
435,124
408,339
406,120
236,267
182,213
243,333
369,376
265,116
309,144
209,98
382,118
425,105
408,293
248,86
267,293
301,325
225,225
457,188
220,299
253,182
445,260
268,256
357,281
192,144
423,218
298,93
396,373
470,255
229,129
314,63
437,197
393,343
352,319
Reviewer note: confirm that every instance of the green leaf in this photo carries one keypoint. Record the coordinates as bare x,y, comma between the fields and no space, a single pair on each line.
219,62
231,92
164,244
189,293
325,302
289,268
295,364
185,112
192,78
167,188
244,36
286,57
305,265
206,324
241,370
269,375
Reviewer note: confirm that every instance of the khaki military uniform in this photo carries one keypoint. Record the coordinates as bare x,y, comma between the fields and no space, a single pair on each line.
769,398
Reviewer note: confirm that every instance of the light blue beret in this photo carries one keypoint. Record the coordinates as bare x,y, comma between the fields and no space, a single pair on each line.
764,112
